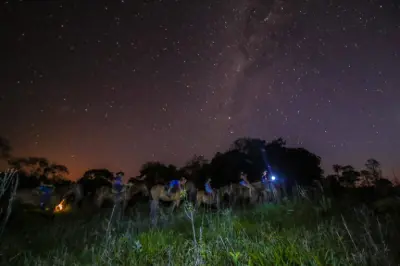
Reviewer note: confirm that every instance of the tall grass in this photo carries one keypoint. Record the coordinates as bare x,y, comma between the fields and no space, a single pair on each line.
8,189
292,233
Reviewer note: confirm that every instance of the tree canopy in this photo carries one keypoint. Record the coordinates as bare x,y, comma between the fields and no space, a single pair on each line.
249,155
33,170
252,156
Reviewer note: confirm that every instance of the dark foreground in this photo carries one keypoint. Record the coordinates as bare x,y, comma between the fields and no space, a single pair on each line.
294,233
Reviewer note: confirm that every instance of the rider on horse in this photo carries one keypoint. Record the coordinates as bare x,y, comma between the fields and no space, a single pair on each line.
118,184
207,187
264,178
243,181
175,184
46,190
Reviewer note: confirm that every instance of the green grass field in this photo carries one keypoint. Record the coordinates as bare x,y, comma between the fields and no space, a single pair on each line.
289,234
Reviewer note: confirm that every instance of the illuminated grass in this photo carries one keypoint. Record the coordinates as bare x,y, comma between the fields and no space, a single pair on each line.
295,234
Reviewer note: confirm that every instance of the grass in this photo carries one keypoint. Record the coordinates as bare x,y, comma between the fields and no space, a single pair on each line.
289,234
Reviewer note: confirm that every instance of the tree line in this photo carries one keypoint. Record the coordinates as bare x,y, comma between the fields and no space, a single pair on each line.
291,166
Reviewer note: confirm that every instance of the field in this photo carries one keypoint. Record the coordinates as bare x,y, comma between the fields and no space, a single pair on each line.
293,233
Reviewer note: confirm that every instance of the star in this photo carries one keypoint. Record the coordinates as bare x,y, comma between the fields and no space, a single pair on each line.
144,80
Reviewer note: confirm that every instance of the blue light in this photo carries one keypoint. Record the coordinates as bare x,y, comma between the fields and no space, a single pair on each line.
273,178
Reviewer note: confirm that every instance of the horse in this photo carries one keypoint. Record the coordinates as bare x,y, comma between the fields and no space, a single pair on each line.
266,192
207,198
236,191
191,192
230,192
244,192
124,196
87,188
159,192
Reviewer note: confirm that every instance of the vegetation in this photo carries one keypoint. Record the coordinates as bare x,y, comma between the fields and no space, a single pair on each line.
291,234
347,218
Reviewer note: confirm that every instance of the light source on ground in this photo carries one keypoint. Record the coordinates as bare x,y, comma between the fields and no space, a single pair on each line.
59,207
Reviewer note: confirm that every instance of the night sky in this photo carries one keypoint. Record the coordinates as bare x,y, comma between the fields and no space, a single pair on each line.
118,83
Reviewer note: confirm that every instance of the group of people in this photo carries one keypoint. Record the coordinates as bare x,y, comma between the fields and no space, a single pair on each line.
117,185
265,179
46,190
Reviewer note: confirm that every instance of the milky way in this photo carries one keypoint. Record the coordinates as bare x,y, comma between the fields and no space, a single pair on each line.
120,83
253,35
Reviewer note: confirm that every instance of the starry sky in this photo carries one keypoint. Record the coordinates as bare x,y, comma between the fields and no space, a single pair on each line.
117,83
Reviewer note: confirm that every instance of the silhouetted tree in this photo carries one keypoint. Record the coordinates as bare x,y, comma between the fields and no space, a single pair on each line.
374,168
56,173
33,166
100,173
196,169
33,170
253,156
278,143
157,172
248,145
95,178
366,178
336,169
294,165
225,167
349,176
